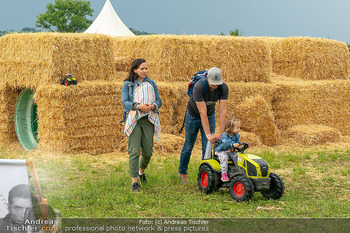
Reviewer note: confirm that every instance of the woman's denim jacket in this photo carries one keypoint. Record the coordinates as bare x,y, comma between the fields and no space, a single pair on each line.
227,142
128,92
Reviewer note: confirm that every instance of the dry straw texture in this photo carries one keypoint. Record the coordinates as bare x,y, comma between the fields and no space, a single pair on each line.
122,64
8,98
310,58
171,114
34,59
250,138
169,143
85,118
240,91
82,118
257,117
177,58
313,102
312,134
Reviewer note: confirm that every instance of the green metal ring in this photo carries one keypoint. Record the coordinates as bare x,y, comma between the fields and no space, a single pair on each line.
26,120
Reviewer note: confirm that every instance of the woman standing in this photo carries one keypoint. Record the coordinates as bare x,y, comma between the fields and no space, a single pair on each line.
141,101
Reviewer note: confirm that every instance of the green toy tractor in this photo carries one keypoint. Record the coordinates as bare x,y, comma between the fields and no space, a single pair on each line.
68,80
248,174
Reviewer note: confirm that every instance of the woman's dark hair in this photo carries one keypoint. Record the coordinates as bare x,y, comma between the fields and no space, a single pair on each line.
134,65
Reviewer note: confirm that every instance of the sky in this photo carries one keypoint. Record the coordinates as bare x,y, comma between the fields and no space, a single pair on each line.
280,18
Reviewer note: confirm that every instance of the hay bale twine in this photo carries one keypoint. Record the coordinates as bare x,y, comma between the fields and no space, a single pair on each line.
257,117
310,135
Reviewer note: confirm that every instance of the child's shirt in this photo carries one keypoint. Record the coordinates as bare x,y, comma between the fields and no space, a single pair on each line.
227,141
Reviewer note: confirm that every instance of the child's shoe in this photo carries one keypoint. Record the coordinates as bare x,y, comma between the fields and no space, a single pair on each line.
224,177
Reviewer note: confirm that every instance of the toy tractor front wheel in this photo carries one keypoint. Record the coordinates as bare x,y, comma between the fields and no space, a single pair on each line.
240,188
276,187
206,179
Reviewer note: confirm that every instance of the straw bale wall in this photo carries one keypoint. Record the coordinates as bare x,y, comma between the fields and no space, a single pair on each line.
82,118
176,58
85,118
310,135
8,98
310,58
324,102
256,116
33,59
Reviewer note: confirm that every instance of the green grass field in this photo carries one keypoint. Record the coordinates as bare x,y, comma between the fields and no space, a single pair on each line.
83,185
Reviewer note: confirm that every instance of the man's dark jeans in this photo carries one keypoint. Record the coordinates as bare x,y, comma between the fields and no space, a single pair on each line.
193,125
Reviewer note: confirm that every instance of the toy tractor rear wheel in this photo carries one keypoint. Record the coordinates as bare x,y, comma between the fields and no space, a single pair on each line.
276,187
66,82
240,188
206,179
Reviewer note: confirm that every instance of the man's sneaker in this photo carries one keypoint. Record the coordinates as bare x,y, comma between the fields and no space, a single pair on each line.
183,179
224,177
135,187
143,179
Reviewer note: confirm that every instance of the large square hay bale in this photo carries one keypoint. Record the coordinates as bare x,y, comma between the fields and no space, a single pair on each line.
313,102
310,58
257,117
310,135
177,58
172,95
32,59
250,138
8,98
82,118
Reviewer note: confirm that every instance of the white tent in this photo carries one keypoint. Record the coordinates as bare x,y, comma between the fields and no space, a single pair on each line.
109,23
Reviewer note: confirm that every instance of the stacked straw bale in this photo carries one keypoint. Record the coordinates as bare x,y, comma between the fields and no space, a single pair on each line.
257,117
169,143
123,64
310,58
82,118
8,98
33,59
250,138
176,58
175,98
85,118
310,135
172,95
324,102
240,91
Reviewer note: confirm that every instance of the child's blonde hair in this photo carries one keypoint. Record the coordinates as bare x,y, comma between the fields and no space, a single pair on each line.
230,123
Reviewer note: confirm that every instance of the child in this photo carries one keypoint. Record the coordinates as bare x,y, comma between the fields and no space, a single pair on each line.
229,141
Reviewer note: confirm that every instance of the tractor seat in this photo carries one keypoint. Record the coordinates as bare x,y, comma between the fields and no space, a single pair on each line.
230,161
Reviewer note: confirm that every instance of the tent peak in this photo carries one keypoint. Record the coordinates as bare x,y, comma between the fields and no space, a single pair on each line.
109,23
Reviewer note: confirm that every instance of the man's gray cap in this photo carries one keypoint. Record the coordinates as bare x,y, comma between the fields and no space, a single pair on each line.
215,76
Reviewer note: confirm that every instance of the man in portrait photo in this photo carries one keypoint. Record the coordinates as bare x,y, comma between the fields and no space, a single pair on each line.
21,213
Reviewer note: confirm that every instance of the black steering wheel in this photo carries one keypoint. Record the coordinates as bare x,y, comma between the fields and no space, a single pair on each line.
242,147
